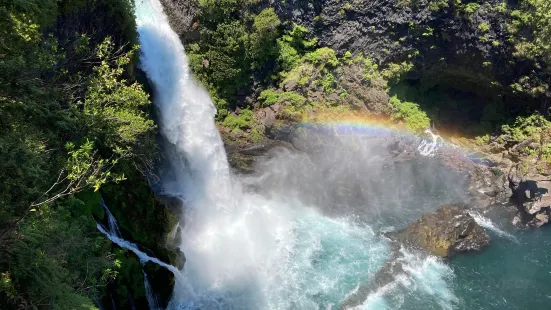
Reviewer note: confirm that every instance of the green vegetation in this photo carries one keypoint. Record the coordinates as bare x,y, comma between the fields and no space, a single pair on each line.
239,122
531,127
235,40
413,117
270,97
483,27
531,29
73,121
471,8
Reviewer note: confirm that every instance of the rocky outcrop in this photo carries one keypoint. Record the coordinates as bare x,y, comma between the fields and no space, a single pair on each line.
532,196
444,233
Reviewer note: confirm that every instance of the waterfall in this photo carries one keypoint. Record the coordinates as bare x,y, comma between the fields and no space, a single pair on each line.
186,117
244,250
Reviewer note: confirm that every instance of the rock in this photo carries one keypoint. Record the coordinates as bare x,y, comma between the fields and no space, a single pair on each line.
488,185
446,232
290,85
182,15
531,195
541,219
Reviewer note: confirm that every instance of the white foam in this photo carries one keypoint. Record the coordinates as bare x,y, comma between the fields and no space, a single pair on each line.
488,224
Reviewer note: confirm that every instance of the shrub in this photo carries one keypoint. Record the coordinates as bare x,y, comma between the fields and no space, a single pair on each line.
531,127
242,121
263,39
413,117
483,27
531,29
323,56
471,8
270,97
292,98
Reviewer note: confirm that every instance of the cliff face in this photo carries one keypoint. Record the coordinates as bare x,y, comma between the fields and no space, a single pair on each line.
463,47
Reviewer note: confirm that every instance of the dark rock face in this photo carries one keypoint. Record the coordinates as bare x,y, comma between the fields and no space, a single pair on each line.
488,186
446,232
182,15
373,26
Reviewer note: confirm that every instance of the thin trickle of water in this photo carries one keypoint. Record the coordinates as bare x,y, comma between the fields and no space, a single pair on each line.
150,294
111,220
115,236
144,258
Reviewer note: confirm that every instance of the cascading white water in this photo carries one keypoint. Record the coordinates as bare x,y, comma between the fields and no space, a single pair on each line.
115,236
144,258
243,250
111,220
429,147
488,224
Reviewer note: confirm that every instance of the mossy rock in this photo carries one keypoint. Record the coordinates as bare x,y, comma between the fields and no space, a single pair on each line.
445,232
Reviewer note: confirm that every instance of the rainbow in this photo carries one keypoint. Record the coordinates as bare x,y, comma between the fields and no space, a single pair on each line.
369,126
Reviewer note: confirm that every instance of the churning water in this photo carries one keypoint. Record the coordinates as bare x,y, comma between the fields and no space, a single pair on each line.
284,245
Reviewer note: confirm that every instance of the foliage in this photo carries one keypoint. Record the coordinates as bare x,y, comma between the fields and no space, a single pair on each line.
266,30
72,119
235,41
413,117
483,27
531,127
293,45
437,5
323,57
531,27
481,140
393,73
59,258
270,97
471,8
242,121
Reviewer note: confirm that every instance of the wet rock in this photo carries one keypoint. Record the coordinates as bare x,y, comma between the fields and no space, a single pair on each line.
488,185
445,232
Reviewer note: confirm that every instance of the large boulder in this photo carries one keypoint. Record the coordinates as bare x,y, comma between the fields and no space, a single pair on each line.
445,232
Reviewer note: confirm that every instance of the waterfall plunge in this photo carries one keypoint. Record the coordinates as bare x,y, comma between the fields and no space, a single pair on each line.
243,250
227,238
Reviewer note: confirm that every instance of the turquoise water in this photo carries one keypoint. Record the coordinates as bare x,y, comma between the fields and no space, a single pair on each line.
508,275
327,259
